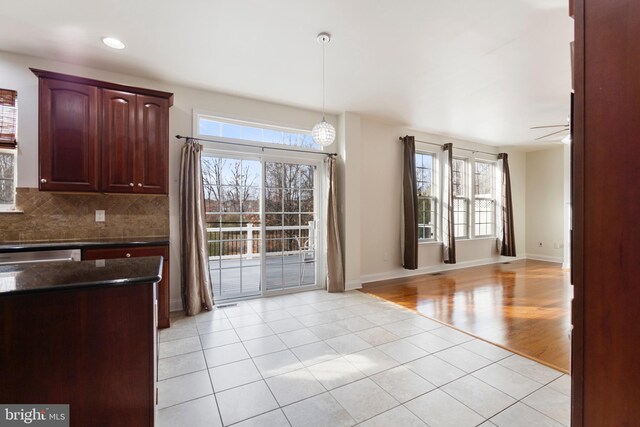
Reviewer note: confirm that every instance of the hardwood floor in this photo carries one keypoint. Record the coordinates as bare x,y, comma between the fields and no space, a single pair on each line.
523,306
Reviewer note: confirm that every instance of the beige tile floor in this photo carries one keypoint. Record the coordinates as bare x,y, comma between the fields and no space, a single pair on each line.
320,359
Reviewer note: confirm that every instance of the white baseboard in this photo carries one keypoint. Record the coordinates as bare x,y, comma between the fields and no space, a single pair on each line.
353,284
175,304
395,274
548,258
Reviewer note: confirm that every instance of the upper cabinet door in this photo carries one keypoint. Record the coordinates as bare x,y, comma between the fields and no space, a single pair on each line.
152,146
118,141
68,143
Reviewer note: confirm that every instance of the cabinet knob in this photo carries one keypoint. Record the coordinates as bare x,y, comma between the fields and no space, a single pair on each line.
128,255
44,181
139,184
131,184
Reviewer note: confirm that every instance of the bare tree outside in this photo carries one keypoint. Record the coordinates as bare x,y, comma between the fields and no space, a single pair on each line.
232,199
7,164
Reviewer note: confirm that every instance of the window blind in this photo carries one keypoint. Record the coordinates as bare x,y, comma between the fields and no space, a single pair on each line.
8,118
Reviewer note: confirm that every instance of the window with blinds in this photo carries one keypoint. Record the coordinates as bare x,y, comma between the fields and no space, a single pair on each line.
8,153
8,118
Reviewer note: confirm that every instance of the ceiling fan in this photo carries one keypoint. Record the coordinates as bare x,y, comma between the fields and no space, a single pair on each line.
564,128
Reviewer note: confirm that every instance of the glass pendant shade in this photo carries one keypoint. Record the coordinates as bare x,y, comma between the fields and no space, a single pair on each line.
323,133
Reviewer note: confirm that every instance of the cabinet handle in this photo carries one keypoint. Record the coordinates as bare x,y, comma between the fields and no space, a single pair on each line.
139,184
44,181
128,255
131,184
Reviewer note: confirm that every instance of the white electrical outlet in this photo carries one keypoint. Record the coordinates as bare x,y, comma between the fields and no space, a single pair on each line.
100,216
556,245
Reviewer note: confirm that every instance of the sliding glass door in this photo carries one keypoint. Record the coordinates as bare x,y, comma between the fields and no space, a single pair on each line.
290,226
262,225
232,190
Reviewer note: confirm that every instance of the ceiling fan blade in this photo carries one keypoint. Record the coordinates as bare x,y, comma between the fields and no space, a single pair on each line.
551,134
550,126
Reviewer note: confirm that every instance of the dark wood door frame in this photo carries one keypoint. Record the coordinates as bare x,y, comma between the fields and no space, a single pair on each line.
577,217
606,213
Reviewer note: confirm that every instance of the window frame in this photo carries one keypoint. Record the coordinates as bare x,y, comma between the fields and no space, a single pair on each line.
492,197
466,198
241,121
12,151
434,197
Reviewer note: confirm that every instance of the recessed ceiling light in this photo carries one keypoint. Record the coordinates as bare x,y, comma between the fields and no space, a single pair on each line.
113,42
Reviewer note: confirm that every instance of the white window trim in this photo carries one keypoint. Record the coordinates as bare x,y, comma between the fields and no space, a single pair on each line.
12,208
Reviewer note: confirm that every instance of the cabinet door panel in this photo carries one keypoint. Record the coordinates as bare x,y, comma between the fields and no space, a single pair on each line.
118,140
152,145
128,252
68,144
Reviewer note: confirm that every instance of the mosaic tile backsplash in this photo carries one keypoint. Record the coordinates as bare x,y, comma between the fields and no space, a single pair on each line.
50,216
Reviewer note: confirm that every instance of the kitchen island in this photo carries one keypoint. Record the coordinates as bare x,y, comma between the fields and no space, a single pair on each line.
102,248
84,334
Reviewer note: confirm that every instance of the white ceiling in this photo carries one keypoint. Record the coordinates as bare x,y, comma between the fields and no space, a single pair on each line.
479,70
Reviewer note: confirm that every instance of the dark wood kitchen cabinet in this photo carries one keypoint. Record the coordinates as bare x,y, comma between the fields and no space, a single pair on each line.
118,141
134,252
90,346
69,136
102,137
135,140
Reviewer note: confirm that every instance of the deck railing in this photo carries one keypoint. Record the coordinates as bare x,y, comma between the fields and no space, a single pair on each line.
229,242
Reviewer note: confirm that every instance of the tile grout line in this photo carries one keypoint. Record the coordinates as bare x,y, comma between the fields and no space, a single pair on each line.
213,390
261,376
528,406
200,397
374,325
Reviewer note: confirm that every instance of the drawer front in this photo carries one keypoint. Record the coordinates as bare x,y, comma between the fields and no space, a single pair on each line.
109,253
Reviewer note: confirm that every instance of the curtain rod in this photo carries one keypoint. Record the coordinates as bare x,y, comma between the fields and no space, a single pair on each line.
254,146
463,149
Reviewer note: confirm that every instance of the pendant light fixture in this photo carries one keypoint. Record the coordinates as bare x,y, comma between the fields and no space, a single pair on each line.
323,133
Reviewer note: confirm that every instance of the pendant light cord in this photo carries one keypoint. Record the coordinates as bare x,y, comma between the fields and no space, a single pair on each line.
323,45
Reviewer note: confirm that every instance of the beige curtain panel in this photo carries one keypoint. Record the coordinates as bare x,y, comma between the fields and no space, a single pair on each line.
448,236
410,205
508,240
194,257
335,268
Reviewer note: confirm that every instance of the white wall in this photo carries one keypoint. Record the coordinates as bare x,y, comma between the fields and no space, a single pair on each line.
545,204
380,199
15,74
350,149
518,170
369,170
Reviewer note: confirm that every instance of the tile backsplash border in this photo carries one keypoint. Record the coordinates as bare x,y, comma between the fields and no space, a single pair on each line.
52,216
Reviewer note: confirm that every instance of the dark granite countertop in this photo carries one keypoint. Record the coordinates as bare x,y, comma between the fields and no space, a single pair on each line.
82,244
53,276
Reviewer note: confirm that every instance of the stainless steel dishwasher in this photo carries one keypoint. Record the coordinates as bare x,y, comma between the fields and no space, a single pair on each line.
40,256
